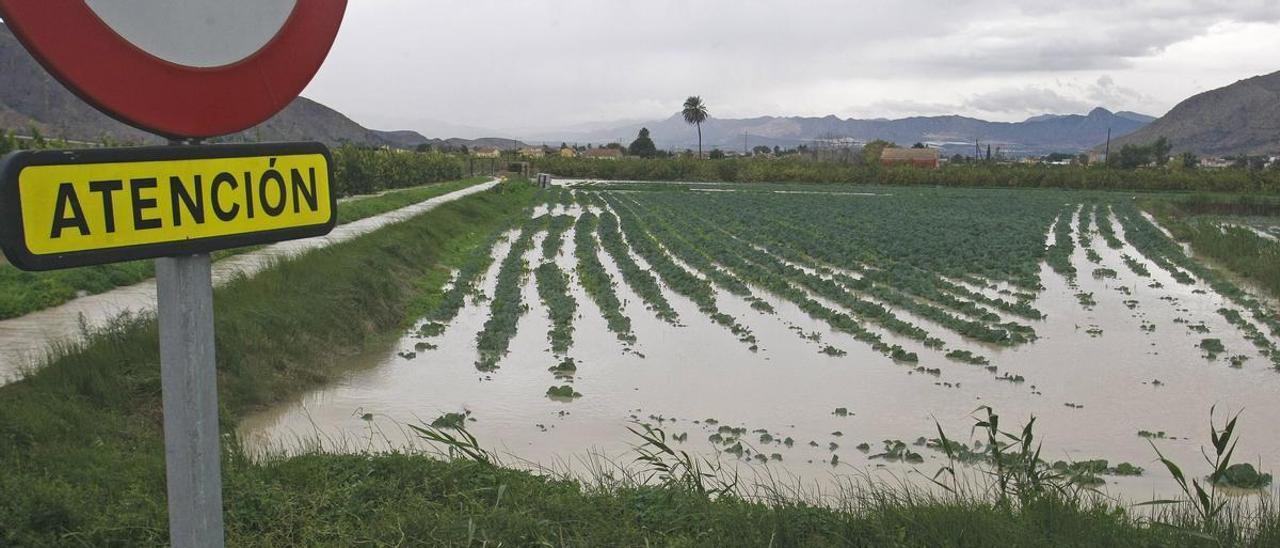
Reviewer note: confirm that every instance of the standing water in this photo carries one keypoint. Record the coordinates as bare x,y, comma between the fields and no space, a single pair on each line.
1120,351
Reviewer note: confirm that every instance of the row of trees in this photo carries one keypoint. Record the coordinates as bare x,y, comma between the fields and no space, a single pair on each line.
33,139
1134,156
357,170
978,174
1130,156
362,170
1158,154
8,142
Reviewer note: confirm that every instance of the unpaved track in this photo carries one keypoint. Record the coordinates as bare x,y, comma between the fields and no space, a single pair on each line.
24,341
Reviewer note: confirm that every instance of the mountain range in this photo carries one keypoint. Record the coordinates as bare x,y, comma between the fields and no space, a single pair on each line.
955,134
1240,119
30,97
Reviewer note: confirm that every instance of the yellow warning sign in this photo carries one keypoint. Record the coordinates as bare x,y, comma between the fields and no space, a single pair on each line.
144,203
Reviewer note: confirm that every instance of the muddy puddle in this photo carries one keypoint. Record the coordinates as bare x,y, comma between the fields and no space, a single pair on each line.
1096,377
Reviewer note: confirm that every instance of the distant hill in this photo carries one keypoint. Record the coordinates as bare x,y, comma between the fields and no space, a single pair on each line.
29,96
1242,118
1143,118
1037,135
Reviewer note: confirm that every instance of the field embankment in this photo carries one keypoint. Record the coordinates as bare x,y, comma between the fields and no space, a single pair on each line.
25,292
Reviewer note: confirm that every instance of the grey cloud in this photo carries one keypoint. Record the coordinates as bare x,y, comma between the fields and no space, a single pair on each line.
1029,100
544,63
1106,92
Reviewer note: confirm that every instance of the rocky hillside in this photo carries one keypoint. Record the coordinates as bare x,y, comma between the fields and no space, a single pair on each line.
1242,118
29,96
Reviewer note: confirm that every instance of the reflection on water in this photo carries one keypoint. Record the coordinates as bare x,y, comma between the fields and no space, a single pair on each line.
1094,379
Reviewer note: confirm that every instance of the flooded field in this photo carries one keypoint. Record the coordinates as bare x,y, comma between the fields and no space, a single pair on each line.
813,336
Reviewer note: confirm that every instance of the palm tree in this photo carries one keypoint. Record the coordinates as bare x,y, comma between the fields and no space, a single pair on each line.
695,113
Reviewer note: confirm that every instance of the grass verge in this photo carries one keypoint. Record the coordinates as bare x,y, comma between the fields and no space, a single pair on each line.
26,292
365,207
1239,250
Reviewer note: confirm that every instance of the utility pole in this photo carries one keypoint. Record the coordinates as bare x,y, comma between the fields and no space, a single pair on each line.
1106,157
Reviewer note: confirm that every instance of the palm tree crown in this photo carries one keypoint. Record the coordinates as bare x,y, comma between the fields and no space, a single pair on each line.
695,113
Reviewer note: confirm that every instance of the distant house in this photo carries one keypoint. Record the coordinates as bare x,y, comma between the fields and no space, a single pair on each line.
918,157
602,153
1216,163
567,152
532,152
486,152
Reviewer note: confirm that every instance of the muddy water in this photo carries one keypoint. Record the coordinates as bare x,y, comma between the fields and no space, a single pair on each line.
24,341
699,370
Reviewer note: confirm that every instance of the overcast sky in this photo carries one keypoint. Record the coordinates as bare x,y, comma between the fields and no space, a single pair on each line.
518,66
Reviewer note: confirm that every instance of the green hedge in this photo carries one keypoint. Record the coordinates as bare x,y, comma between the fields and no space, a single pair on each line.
365,171
969,175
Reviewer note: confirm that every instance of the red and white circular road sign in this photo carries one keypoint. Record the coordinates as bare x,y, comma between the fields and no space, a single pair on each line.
180,68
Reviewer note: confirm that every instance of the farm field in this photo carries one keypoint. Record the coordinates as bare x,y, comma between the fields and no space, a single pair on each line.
805,334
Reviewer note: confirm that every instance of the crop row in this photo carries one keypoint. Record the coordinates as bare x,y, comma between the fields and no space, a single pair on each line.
878,283
889,277
816,238
553,289
943,233
507,306
1108,231
764,269
1164,252
556,228
1084,227
641,280
829,289
1058,255
730,253
1153,244
464,283
1084,232
596,281
675,276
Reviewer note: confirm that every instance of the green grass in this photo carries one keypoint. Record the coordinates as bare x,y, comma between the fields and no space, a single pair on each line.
82,456
26,292
1239,250
406,499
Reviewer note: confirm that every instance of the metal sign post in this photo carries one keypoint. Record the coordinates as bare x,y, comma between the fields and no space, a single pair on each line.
189,384
189,395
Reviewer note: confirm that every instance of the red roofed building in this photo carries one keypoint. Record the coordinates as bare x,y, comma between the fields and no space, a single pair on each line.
918,157
602,153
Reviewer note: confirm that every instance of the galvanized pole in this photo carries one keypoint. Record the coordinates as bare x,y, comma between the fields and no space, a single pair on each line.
188,380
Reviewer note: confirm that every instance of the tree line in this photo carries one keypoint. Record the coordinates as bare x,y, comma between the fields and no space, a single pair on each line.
357,170
363,170
975,174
